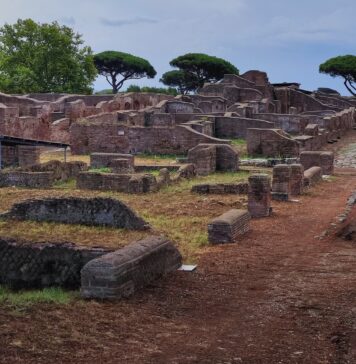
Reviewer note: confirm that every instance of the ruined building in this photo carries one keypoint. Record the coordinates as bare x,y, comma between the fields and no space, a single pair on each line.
276,120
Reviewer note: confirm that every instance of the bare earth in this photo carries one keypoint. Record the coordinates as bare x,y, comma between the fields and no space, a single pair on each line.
281,295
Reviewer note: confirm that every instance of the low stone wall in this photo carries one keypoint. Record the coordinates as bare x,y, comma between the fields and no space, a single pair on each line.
76,210
312,176
325,160
122,165
122,273
26,179
61,171
38,265
236,127
151,168
259,195
127,183
271,143
221,188
229,226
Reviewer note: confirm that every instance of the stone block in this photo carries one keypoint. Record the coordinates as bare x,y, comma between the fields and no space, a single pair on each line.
229,226
227,159
122,165
281,182
203,156
297,176
259,195
325,160
122,273
312,176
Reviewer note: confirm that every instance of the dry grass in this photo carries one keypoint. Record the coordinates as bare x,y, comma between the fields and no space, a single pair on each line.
173,211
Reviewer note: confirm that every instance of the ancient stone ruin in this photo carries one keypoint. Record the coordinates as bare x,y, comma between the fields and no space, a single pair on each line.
25,264
275,120
282,122
75,210
228,227
259,195
281,182
122,273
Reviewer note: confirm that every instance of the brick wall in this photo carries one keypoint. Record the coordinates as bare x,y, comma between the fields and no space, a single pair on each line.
87,137
26,179
25,264
271,143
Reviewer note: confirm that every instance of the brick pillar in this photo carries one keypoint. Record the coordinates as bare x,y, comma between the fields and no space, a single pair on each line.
28,155
281,182
259,195
297,176
327,162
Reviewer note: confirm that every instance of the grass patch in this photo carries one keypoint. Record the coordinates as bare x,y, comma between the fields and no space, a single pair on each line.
66,185
78,234
25,299
238,142
59,155
189,232
100,170
159,156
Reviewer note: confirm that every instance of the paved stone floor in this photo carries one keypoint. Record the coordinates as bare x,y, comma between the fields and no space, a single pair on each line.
346,158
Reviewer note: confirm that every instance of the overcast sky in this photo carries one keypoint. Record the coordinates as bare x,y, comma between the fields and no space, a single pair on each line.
286,38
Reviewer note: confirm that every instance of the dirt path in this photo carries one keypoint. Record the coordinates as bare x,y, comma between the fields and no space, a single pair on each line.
282,295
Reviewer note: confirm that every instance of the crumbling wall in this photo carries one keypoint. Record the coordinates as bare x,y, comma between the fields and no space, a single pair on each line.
60,170
236,127
26,179
88,137
271,143
25,264
322,159
75,210
127,183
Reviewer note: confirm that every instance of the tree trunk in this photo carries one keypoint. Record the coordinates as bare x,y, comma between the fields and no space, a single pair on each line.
348,87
